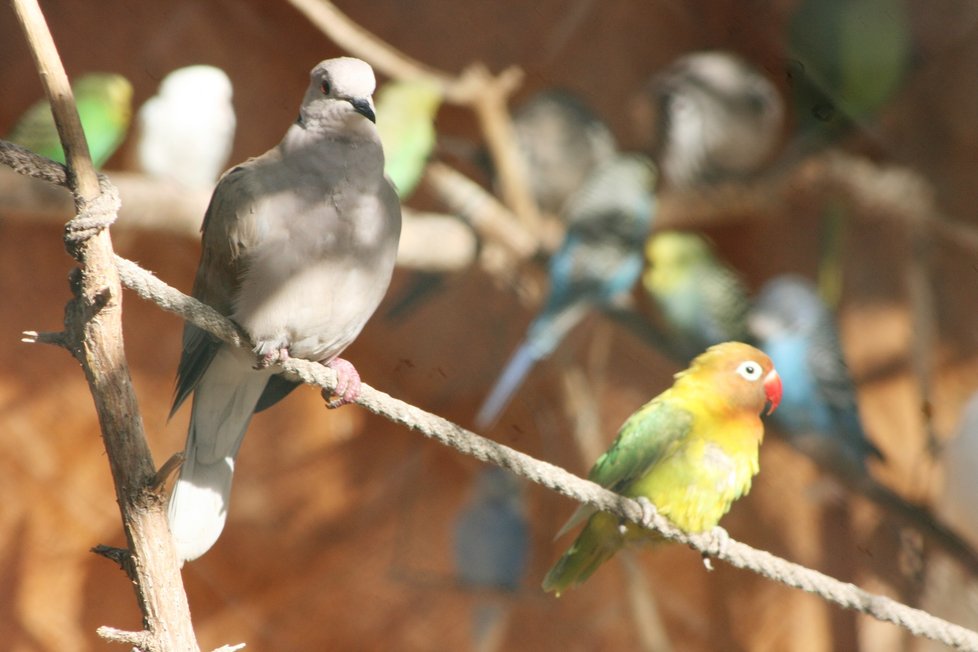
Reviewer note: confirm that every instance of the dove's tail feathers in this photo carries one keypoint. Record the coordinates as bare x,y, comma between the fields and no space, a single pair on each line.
223,403
198,506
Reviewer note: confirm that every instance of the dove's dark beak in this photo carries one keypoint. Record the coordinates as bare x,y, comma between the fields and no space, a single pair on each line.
364,108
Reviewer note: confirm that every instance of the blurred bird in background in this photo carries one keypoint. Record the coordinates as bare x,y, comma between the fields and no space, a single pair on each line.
701,300
597,264
492,543
819,413
691,451
186,130
406,121
715,117
562,141
104,102
847,60
492,534
960,455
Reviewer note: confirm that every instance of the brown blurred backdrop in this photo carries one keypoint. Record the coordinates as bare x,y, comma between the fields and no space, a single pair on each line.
339,534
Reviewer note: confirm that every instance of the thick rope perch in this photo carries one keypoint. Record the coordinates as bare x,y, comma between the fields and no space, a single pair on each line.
737,554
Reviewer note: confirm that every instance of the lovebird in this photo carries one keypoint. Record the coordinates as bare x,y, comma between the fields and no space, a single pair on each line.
819,413
702,300
596,265
690,451
186,130
717,118
298,248
562,141
492,536
104,103
406,121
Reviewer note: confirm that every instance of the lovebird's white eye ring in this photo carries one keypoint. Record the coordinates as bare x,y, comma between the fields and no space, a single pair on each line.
749,370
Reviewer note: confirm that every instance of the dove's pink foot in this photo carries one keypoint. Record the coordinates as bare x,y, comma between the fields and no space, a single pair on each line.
347,384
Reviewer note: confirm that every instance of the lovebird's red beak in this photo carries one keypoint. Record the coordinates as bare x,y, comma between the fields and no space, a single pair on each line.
772,390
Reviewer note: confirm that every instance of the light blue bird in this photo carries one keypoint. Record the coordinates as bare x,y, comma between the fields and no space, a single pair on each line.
492,536
818,411
597,263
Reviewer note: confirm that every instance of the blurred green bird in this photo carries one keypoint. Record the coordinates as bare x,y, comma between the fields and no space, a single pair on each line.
701,300
104,103
406,121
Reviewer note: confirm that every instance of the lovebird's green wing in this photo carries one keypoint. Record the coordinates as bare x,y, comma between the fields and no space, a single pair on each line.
653,432
104,102
405,119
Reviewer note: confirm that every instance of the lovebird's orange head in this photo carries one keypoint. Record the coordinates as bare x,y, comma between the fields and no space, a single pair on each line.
740,374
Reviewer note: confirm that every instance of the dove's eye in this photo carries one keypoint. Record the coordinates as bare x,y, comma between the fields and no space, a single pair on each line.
327,87
749,370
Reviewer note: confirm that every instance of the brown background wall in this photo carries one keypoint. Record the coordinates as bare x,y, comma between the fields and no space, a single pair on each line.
339,535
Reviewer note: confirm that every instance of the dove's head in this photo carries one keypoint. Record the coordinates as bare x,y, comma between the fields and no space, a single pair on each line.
340,92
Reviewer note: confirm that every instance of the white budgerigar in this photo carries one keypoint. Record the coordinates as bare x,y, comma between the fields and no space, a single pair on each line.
187,129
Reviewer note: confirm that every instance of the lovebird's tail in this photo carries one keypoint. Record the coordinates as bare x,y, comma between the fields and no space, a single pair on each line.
592,548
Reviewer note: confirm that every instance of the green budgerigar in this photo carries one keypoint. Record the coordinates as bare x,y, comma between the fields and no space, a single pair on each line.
691,451
104,103
406,121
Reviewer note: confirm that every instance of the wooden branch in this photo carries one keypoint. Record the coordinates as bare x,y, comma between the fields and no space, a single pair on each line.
93,327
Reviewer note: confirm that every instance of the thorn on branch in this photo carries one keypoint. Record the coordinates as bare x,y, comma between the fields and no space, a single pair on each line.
165,471
143,641
121,556
45,337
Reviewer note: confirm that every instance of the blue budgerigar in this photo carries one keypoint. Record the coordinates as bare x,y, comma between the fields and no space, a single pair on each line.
717,117
492,534
818,410
597,263
701,300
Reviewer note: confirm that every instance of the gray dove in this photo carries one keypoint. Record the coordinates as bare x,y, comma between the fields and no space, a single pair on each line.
298,248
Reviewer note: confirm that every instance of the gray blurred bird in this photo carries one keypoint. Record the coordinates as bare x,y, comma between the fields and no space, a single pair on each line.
960,456
298,248
187,129
562,140
717,118
492,536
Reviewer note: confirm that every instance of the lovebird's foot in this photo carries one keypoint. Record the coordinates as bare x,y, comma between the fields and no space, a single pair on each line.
347,384
649,512
719,545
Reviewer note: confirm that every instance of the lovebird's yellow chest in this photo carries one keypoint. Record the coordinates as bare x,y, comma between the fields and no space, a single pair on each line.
696,481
